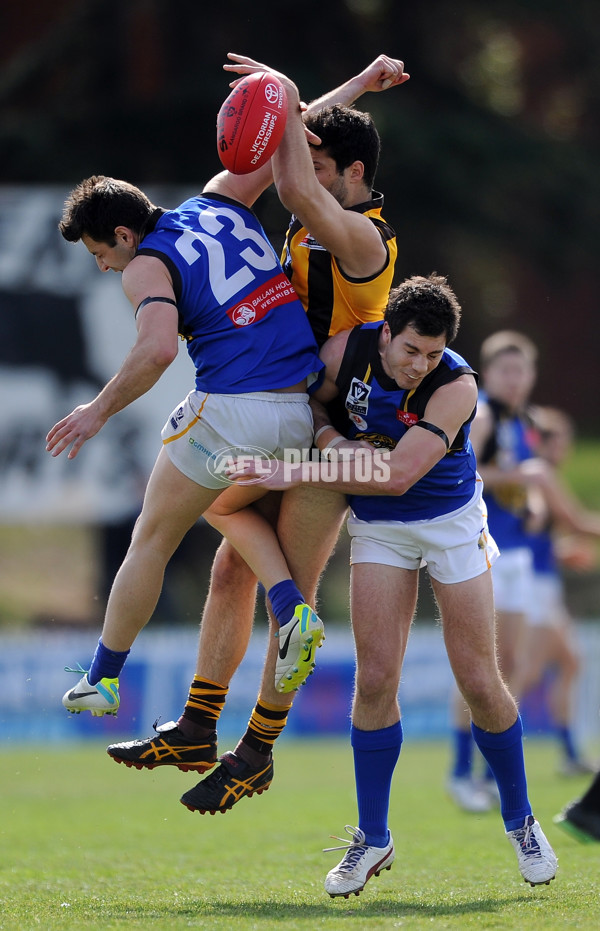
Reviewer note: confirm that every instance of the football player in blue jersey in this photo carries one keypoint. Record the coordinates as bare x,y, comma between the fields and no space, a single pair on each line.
405,392
339,255
185,275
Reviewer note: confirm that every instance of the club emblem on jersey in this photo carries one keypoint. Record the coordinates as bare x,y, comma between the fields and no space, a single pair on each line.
243,314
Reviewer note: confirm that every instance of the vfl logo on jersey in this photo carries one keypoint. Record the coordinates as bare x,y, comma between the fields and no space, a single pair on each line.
406,417
357,403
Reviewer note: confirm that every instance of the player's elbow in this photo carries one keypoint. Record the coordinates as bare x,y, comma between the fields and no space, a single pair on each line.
164,355
397,485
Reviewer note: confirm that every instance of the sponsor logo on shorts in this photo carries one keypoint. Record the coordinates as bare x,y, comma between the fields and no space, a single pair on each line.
201,449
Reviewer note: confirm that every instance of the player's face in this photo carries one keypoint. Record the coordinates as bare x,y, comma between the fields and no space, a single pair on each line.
409,357
110,258
328,176
509,379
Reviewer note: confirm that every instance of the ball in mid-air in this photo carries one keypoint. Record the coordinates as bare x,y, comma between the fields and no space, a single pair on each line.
251,122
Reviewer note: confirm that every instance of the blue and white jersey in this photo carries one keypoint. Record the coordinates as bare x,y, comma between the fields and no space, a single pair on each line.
380,412
543,552
244,326
511,442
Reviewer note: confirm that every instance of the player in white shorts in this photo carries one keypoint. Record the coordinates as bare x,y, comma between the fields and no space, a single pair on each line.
186,275
405,462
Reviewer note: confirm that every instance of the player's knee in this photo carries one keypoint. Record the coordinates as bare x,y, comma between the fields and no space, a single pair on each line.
479,688
229,569
375,685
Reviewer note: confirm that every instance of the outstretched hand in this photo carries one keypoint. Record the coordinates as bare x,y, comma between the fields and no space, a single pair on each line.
242,65
80,425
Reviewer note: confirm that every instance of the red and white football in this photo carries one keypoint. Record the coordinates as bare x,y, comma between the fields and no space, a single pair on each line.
251,122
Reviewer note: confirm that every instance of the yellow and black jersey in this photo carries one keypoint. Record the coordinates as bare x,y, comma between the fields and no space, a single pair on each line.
333,301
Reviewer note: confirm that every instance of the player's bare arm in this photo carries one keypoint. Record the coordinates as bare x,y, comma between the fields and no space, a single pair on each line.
154,350
413,457
349,236
529,473
382,74
244,188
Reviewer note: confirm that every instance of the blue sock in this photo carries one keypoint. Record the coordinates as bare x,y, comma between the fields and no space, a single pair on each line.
375,756
106,664
504,754
463,745
284,598
566,738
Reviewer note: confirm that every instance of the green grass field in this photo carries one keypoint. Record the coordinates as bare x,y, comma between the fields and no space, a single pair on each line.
86,844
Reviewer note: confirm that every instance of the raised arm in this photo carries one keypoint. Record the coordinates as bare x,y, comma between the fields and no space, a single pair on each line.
382,74
245,188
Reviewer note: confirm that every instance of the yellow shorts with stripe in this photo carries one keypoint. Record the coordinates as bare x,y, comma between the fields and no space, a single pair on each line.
206,432
455,547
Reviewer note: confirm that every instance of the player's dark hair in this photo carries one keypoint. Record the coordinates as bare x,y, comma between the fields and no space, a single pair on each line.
427,304
98,205
347,136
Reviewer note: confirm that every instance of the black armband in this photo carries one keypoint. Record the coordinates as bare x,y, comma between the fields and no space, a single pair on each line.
433,429
154,300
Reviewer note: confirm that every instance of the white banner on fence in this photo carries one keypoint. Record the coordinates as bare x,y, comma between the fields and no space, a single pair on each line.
65,328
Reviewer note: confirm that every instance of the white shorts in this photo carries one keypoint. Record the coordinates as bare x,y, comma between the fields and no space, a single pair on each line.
547,606
455,547
206,432
513,581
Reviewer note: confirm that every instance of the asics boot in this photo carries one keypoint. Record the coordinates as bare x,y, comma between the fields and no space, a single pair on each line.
358,864
101,698
298,642
227,784
580,822
537,861
168,748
